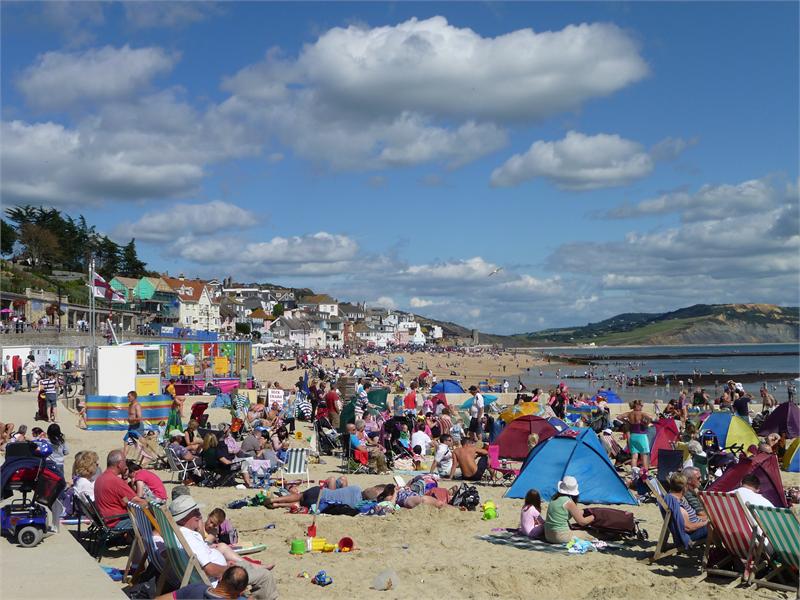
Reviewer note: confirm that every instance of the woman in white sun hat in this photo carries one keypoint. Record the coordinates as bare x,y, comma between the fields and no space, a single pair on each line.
563,505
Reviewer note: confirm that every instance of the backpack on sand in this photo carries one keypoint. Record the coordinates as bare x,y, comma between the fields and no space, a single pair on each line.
467,496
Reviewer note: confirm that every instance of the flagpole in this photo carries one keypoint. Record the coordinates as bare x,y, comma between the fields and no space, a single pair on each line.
92,329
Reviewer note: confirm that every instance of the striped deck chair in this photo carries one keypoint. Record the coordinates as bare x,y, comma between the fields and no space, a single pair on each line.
734,534
782,529
181,561
296,464
672,525
143,524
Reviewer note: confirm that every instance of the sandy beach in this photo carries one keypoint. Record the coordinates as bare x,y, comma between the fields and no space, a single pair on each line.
434,552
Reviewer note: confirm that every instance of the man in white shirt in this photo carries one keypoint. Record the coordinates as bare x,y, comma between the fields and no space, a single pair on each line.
748,492
421,439
189,359
443,458
475,412
505,386
187,515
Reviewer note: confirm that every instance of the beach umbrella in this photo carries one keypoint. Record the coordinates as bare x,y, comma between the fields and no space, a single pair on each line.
791,459
515,411
731,430
487,400
576,453
785,418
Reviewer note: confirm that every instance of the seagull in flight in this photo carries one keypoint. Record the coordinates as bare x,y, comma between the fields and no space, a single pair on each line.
495,272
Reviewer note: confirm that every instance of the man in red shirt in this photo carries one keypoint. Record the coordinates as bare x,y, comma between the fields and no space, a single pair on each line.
331,400
111,493
410,400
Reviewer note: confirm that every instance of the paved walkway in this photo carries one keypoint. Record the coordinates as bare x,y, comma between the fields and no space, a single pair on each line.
58,567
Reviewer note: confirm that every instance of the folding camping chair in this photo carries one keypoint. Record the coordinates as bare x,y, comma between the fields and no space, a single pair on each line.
497,474
673,523
99,536
734,534
781,528
296,464
180,466
181,561
349,463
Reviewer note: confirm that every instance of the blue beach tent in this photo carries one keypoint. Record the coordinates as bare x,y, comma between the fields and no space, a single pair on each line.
558,424
447,386
576,453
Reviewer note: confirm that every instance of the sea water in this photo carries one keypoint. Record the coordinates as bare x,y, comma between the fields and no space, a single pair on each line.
723,361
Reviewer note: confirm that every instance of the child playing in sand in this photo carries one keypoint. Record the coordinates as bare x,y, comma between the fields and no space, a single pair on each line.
531,522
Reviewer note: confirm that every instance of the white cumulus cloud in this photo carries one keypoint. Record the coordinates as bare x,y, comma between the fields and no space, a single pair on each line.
61,79
578,162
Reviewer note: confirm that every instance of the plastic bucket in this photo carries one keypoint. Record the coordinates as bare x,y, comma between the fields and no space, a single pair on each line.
298,547
346,544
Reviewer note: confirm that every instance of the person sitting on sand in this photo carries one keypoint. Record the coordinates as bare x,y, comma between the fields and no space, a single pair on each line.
531,522
563,505
360,440
467,464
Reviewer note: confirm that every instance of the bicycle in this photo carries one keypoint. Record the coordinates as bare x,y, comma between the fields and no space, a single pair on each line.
69,384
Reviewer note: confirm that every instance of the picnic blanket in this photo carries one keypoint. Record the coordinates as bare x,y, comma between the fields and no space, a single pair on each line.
509,537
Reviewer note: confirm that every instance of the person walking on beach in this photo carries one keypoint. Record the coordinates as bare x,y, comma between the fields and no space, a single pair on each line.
639,442
134,419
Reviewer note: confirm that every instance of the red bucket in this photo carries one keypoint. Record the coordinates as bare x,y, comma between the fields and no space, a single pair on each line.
346,544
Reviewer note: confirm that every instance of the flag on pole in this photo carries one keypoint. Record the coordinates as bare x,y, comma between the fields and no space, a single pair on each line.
101,289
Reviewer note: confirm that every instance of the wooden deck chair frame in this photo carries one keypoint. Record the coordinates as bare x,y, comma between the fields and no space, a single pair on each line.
180,559
781,527
296,466
726,510
143,550
658,493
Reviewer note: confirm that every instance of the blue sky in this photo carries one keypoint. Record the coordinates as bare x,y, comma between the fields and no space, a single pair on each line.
610,157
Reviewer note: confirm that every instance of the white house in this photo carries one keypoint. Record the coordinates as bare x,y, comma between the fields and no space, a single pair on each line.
197,309
418,339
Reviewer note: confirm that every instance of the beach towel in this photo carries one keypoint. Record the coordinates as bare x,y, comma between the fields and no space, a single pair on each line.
510,537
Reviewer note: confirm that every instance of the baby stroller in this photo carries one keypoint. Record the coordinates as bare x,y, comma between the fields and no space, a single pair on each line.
327,436
198,413
613,524
27,470
719,459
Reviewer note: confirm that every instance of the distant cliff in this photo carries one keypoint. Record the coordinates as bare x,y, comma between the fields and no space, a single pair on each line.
698,324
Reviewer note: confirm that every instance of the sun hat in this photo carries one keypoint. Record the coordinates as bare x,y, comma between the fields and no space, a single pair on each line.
567,486
175,433
608,432
182,506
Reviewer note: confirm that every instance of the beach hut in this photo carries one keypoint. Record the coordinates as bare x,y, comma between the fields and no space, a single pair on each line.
764,466
513,440
576,453
661,434
785,418
731,430
791,459
447,386
611,397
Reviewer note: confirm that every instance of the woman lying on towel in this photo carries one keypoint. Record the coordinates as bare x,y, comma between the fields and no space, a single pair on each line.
563,506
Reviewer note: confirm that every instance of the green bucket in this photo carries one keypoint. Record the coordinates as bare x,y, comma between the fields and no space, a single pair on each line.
298,547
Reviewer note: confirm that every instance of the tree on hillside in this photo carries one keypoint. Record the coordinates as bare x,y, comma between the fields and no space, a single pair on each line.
107,258
277,310
131,265
41,245
8,235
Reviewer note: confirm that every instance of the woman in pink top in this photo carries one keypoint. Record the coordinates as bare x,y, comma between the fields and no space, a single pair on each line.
531,522
145,483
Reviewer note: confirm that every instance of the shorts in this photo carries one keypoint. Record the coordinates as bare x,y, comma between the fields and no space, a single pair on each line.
310,496
404,494
640,443
52,399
